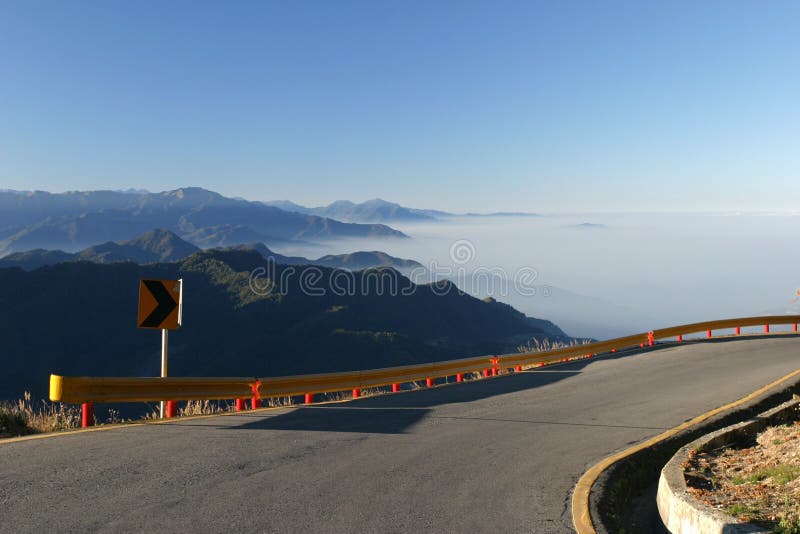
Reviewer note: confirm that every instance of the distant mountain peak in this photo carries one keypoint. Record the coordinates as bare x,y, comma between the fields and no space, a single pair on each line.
341,204
378,202
193,194
287,205
375,210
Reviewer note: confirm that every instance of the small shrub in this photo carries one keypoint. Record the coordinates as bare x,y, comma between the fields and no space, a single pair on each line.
739,510
12,423
788,526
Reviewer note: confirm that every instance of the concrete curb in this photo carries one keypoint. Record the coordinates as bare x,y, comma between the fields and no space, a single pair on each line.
679,510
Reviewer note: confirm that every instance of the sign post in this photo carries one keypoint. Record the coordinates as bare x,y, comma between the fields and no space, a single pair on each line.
161,307
164,351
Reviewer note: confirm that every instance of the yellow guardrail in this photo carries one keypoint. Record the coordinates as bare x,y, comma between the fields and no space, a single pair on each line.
91,389
80,389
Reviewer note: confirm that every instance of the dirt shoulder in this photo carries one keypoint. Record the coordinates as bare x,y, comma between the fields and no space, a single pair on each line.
759,483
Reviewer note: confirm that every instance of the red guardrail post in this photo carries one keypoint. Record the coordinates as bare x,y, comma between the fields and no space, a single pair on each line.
518,368
395,388
459,377
429,382
240,405
708,334
309,398
680,338
738,330
766,329
255,402
172,409
356,393
87,414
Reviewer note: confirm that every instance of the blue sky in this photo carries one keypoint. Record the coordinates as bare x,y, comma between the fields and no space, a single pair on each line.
479,106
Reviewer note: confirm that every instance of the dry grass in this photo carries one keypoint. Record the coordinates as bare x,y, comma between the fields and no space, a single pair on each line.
546,345
24,417
205,408
278,402
759,483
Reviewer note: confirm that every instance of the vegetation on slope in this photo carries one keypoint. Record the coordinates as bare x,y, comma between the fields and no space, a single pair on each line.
79,318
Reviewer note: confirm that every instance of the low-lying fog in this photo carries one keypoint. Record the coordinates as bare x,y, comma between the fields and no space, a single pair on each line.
607,275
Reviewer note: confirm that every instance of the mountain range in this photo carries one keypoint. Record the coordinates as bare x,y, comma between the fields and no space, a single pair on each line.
79,318
376,210
74,220
379,210
163,246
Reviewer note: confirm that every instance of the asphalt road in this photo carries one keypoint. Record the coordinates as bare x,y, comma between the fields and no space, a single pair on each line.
497,455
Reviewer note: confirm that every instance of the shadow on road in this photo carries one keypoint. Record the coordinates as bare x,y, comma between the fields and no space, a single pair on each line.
341,419
396,413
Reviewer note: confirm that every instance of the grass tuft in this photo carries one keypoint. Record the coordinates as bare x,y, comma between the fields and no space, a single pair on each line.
24,417
782,474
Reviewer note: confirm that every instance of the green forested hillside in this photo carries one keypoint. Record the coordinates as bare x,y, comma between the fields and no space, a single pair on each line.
79,318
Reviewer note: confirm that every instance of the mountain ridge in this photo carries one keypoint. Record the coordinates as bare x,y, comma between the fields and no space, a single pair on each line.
379,210
161,245
74,220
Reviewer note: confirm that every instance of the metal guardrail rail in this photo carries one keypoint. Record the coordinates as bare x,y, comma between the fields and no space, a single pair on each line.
82,389
88,390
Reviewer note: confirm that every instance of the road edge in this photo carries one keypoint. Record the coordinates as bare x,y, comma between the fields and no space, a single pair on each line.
586,505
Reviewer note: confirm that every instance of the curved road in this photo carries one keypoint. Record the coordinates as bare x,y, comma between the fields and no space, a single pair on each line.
494,455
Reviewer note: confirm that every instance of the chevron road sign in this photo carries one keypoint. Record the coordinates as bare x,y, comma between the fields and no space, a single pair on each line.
161,307
160,304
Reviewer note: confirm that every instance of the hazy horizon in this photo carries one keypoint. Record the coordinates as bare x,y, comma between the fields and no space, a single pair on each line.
646,270
387,198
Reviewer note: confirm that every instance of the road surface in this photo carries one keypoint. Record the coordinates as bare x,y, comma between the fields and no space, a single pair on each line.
496,455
